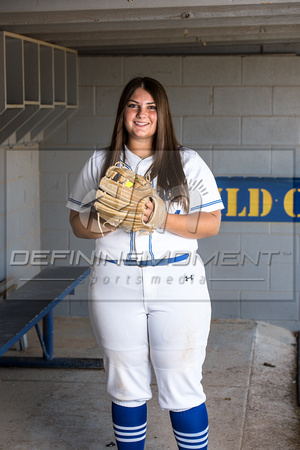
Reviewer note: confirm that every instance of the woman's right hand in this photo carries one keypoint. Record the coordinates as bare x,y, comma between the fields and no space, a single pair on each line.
86,225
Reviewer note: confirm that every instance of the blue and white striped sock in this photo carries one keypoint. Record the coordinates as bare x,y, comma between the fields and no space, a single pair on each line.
191,428
130,426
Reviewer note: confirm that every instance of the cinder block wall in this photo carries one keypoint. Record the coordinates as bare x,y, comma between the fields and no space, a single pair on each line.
242,115
19,213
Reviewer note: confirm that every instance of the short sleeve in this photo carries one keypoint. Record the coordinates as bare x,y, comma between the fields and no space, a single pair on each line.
84,190
203,189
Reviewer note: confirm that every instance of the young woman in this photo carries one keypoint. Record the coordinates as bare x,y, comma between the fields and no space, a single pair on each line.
148,298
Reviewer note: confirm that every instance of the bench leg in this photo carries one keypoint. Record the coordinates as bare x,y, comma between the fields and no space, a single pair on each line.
46,340
48,335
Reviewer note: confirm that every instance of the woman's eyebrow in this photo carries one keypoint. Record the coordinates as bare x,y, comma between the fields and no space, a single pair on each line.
148,103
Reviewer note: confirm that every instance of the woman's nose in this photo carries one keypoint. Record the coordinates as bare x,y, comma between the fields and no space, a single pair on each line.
141,112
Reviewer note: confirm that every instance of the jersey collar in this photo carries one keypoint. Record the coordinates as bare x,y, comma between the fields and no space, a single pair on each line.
136,163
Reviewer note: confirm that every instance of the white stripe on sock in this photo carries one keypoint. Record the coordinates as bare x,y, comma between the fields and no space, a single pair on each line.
131,440
191,434
130,428
135,433
192,441
193,446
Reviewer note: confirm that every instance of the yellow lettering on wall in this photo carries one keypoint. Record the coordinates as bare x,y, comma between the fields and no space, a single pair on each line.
232,203
254,202
288,202
267,202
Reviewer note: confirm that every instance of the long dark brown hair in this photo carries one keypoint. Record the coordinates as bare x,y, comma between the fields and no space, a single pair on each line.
167,165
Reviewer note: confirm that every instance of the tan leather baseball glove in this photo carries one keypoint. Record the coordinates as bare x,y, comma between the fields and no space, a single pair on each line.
121,197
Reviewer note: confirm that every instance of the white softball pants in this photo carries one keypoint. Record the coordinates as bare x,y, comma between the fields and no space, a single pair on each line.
159,315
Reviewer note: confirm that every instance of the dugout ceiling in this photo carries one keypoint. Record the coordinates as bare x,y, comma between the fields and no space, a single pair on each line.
157,26
40,40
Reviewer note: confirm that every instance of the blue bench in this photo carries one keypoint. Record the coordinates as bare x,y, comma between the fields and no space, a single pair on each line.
35,301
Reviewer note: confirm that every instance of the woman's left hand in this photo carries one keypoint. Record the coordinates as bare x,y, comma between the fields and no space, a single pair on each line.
148,210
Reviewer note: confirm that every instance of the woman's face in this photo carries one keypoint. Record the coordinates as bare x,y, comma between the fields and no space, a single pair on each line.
140,116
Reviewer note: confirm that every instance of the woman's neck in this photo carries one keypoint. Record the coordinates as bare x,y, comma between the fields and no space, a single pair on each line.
143,150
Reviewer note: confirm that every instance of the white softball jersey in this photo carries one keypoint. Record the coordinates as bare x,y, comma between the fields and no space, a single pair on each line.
148,297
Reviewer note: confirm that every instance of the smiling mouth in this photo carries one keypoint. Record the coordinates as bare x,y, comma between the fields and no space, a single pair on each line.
141,124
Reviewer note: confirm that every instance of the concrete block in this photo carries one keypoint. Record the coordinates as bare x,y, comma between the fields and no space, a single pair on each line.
220,250
53,187
190,101
286,101
282,277
297,162
211,131
270,131
165,69
177,123
10,221
28,193
295,272
84,250
243,227
283,228
59,135
264,297
241,277
266,309
63,307
211,70
225,297
55,239
86,101
241,161
282,162
79,301
271,249
54,216
107,99
270,70
225,304
18,258
64,160
79,308
244,101
225,310
206,154
30,220
21,163
100,71
90,130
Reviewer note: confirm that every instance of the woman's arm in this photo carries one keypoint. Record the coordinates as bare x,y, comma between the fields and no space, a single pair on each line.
85,225
194,226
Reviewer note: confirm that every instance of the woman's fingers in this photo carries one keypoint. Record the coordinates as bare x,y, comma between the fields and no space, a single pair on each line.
148,210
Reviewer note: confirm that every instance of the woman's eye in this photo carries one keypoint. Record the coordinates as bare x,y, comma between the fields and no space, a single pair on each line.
131,105
152,107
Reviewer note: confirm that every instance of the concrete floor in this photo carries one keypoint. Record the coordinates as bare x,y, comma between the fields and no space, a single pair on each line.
249,379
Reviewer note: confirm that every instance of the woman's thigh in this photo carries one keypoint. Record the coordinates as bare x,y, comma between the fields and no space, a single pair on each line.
179,323
119,322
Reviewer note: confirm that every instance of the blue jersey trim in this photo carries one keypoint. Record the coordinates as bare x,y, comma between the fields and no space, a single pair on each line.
82,205
74,201
150,246
131,245
215,202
